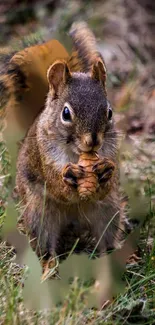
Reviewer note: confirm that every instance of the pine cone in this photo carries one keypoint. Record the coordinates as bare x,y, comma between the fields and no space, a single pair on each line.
87,186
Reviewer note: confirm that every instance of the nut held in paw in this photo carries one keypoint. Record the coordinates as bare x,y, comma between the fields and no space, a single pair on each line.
88,184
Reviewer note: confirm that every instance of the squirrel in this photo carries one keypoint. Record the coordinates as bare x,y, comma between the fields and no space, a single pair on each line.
76,117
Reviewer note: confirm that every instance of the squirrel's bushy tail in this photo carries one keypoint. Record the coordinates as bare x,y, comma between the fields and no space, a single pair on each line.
84,44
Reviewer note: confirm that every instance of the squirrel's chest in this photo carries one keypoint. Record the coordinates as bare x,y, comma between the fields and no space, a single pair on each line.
62,157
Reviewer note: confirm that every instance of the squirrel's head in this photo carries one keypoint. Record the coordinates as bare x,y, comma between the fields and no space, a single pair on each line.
78,111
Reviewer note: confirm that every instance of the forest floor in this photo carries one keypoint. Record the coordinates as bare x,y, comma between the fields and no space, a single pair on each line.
125,33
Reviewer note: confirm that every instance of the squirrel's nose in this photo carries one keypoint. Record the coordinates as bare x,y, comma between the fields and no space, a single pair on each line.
90,140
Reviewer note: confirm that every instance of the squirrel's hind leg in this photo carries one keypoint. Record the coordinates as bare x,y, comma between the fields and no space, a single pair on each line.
109,227
40,221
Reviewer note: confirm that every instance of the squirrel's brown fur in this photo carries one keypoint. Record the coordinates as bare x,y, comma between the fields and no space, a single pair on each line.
53,210
23,82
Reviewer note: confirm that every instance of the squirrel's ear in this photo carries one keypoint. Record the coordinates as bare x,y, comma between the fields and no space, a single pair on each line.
58,74
99,71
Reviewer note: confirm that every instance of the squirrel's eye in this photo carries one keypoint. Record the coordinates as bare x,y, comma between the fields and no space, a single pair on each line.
109,113
66,115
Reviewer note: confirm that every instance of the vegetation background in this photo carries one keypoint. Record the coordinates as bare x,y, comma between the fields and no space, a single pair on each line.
125,32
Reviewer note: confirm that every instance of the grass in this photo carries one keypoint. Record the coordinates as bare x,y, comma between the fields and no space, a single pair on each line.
136,305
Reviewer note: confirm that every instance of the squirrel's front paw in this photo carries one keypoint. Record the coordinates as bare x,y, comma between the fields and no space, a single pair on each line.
104,170
71,173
